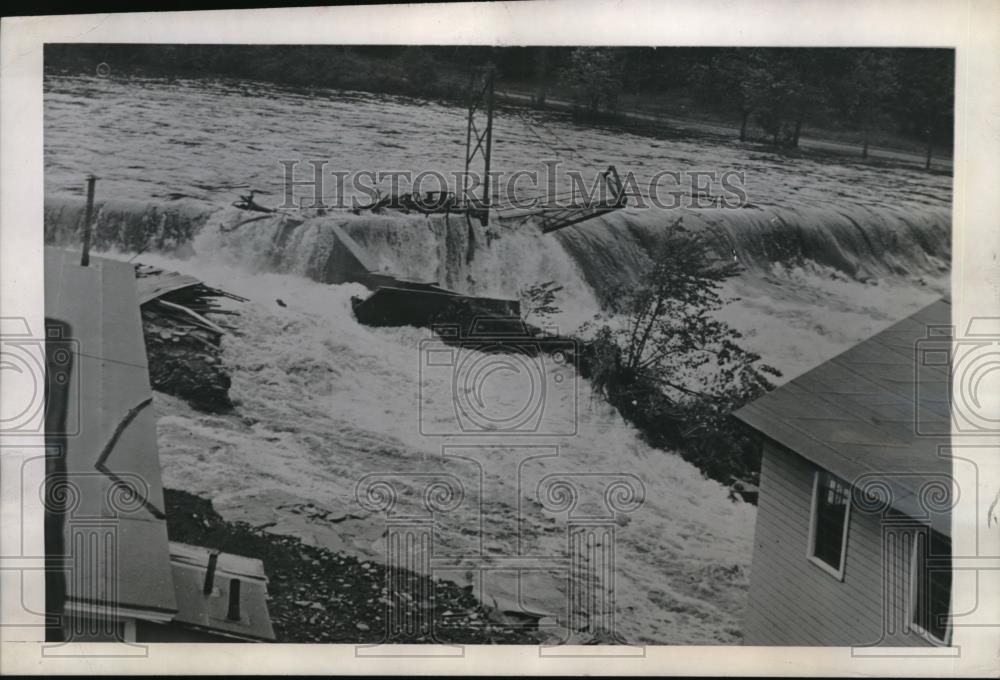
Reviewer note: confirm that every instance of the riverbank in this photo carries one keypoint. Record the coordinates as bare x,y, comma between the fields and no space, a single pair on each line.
318,595
443,75
643,116
834,252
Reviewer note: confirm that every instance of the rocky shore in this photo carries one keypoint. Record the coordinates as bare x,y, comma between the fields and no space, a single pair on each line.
317,595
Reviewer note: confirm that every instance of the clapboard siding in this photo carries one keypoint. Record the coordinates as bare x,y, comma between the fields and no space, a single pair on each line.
795,602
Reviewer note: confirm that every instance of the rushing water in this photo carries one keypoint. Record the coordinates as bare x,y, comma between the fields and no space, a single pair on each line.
832,253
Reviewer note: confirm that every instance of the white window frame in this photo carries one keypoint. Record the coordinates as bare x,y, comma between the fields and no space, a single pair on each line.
811,543
912,611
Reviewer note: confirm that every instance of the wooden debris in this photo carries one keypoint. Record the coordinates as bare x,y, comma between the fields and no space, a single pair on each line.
183,344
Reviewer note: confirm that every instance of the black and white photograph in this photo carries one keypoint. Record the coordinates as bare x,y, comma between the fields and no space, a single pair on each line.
563,345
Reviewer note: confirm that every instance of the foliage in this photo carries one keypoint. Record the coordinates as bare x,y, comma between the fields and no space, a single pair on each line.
436,72
673,368
906,91
925,107
897,91
595,77
539,300
419,66
724,82
786,87
868,86
865,90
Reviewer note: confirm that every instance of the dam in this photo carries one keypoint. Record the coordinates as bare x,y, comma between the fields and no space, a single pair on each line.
831,252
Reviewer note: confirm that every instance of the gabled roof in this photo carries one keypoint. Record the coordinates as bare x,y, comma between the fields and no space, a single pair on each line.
109,456
878,408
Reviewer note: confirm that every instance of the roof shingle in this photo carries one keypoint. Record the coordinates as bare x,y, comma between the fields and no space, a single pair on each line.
864,412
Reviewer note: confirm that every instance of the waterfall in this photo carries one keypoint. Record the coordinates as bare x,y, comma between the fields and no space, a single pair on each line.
590,260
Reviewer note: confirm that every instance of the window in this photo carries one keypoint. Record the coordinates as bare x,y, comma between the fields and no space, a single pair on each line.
930,586
831,508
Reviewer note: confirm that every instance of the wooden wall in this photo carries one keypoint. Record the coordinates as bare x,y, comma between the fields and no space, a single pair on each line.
795,602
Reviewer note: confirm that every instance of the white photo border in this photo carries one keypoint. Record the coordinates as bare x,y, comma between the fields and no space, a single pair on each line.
970,26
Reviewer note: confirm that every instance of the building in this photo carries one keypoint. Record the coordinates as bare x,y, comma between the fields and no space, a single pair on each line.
113,575
852,544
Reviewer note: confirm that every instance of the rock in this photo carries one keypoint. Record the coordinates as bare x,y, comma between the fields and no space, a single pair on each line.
362,626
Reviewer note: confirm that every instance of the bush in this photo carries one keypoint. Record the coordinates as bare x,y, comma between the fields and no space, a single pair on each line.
674,370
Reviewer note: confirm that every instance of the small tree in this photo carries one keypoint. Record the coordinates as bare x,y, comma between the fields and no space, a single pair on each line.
725,82
925,99
671,332
788,87
673,360
539,300
595,77
870,84
768,88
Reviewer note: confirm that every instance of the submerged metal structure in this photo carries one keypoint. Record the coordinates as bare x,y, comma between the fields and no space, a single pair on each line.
557,218
480,143
475,200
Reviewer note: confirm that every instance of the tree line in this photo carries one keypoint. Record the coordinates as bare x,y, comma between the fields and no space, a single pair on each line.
907,92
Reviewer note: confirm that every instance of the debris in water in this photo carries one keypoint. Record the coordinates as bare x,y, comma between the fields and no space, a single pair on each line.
182,343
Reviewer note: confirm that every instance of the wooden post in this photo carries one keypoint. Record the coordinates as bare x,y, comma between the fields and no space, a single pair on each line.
213,561
233,613
85,258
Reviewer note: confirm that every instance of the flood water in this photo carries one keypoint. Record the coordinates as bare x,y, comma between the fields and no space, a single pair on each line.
834,251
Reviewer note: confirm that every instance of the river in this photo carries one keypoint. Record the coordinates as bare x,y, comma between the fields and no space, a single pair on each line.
833,251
